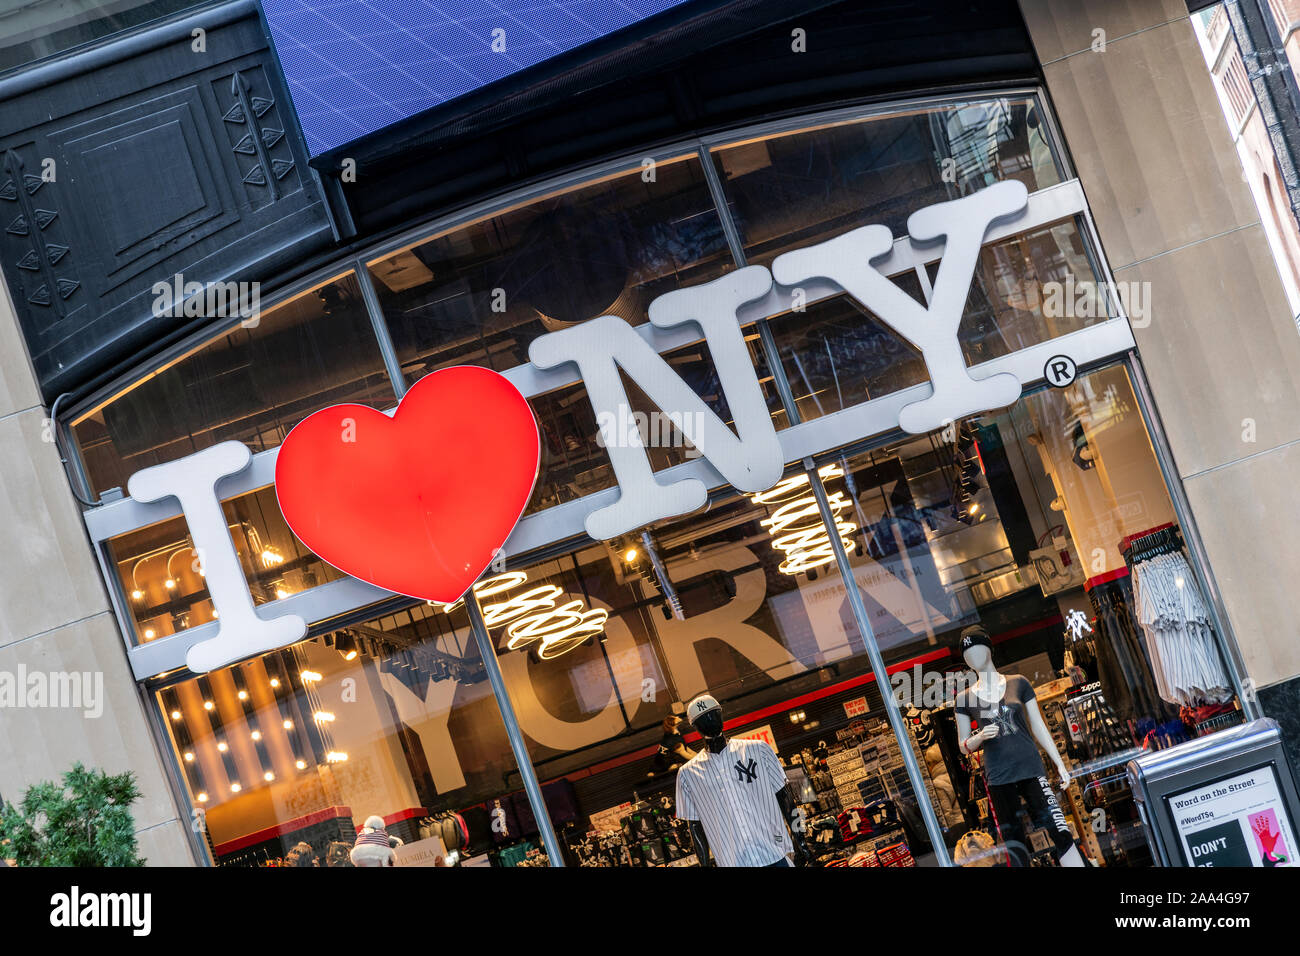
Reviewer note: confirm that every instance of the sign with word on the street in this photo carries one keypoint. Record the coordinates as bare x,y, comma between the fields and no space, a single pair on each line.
1224,799
1236,821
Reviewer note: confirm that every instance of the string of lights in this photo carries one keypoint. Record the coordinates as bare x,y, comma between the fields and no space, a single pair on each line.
796,526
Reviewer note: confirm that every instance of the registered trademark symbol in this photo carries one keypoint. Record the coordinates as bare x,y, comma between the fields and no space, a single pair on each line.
1060,371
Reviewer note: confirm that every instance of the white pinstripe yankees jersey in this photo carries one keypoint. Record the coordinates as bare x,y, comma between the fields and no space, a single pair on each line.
733,795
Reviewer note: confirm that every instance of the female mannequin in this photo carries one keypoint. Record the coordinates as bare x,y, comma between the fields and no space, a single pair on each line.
1005,712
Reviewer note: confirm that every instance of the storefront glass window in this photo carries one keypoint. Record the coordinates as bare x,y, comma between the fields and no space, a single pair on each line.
1047,524
158,569
791,190
251,384
1017,521
479,294
601,647
391,718
1021,522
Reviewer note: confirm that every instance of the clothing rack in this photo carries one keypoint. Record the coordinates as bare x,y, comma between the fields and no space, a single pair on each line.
1166,540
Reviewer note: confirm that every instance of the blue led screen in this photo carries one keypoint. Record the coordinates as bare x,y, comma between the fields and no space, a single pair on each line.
356,66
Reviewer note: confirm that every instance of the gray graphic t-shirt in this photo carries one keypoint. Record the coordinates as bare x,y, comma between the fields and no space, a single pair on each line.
1012,755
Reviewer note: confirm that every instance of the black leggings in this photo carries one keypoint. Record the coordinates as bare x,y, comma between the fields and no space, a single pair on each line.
1044,810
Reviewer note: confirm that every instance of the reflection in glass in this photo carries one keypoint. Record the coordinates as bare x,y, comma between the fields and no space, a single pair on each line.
393,717
574,460
162,578
1031,288
250,384
795,189
480,293
1017,520
837,354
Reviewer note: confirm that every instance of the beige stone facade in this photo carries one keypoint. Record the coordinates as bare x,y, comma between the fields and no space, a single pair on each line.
55,617
1157,162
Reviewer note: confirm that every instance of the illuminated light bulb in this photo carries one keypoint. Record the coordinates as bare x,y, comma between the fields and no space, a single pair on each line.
215,615
974,508
300,764
796,526
336,756
223,746
176,715
496,584
541,598
208,705
235,787
288,725
350,656
630,555
189,756
242,695
149,633
256,735
281,593
322,716
137,595
275,682
558,631
203,798
310,675
169,584
268,776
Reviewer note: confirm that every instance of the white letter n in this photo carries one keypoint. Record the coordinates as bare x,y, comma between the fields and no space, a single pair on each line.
751,462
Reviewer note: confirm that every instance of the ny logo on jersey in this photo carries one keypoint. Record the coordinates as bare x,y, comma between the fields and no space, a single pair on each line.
745,773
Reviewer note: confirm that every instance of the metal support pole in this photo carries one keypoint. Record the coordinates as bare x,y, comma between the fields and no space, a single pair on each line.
488,652
370,297
901,733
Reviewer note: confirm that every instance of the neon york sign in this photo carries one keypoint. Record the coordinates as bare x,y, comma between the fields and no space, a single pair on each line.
418,502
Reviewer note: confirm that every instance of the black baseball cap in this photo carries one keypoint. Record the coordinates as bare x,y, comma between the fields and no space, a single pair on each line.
975,634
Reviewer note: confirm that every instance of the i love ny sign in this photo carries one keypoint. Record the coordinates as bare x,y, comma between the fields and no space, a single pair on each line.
418,502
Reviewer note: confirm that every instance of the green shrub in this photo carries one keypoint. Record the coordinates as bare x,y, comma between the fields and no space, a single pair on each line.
85,821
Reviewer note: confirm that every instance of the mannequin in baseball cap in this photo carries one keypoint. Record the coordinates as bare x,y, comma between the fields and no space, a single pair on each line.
705,715
999,716
975,636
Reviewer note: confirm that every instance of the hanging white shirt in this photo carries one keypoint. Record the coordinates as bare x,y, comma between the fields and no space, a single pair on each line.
733,795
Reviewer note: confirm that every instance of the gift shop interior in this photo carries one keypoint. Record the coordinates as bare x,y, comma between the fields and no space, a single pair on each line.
1026,584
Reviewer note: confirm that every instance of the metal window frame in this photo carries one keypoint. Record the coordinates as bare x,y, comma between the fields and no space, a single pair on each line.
870,423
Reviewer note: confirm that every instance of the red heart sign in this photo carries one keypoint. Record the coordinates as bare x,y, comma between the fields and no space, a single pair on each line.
417,503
